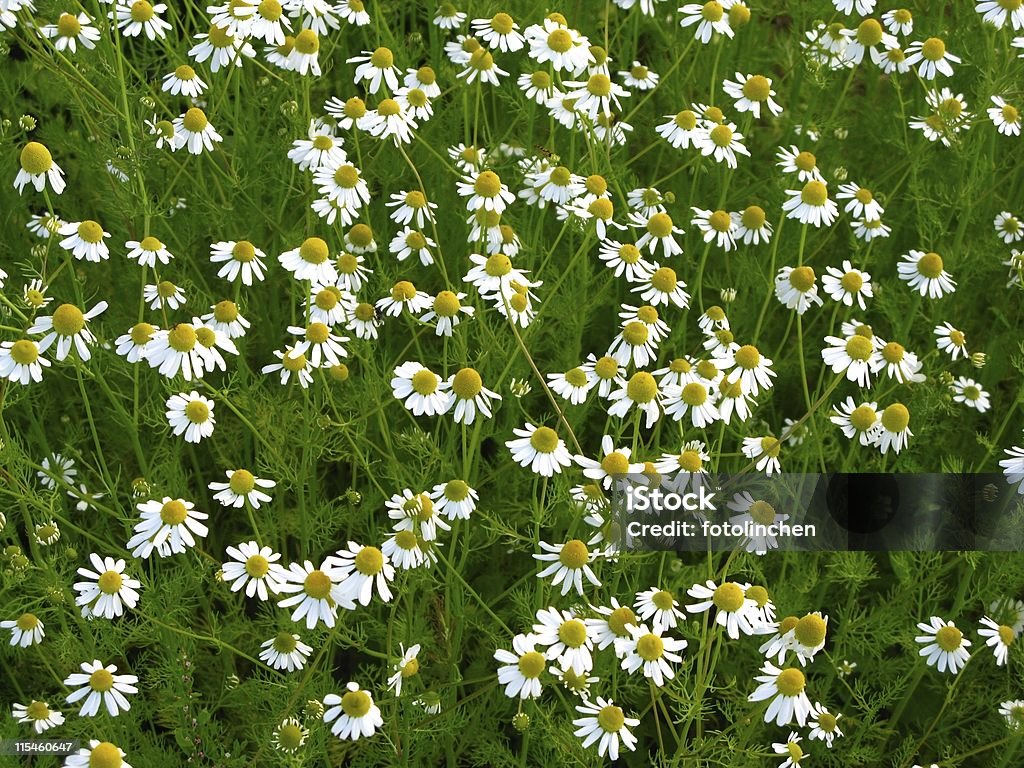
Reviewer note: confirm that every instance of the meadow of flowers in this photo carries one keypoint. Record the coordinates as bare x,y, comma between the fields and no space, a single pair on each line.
325,330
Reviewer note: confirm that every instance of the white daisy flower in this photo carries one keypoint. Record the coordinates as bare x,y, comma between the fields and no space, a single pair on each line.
36,167
648,650
899,21
317,592
733,609
605,724
710,18
1005,116
797,288
221,48
195,132
790,748
1008,227
285,651
521,668
641,392
84,239
847,285
310,261
860,421
998,12
694,398
255,568
722,142
99,685
945,646
190,415
895,428
554,42
755,512
950,340
107,590
567,639
786,689
662,286
70,31
22,361
569,564
925,273
99,753
613,625
415,512
469,395
239,257
321,148
997,637
540,449
292,362
164,294
421,390
750,92
639,77
766,452
376,68
361,568
140,17
148,251
39,714
408,666
751,225
455,499
26,630
824,725
970,393
682,130
168,526
932,57
68,327
354,715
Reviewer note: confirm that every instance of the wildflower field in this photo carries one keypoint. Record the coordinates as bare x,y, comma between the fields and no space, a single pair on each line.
328,333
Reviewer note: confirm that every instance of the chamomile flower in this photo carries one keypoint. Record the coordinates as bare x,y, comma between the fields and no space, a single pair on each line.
750,92
26,630
1008,227
696,399
289,736
662,286
824,725
612,625
408,666
895,428
285,651
310,261
765,450
857,421
606,725
415,512
573,385
364,321
57,469
363,568
950,340
891,60
802,163
448,16
997,637
1013,712
411,208
998,12
470,396
569,564
931,57
321,149
811,205
68,327
556,43
318,343
269,23
861,202
163,295
722,142
422,391
405,550
970,393
847,285
899,21
98,753
47,533
70,31
733,609
36,168
521,668
242,486
39,714
868,229
945,646
485,190
354,715
751,225
500,31
786,689
255,568
790,748
1005,116
625,259
99,685
596,95
85,240
376,68
688,468
354,12
652,652
797,288
148,251
682,130
190,415
239,257
641,392
567,638
106,590
393,118
22,361
710,17
925,273
718,226
221,48
315,592
446,312
639,77
540,449
455,499
196,132
168,526
140,17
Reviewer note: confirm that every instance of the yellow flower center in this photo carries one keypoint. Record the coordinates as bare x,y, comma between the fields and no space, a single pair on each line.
619,618
1010,114
721,135
382,58
664,279
560,40
757,88
307,42
355,108
105,755
611,719
531,664
642,388
467,384
933,49
762,512
425,382
606,368
197,412
690,460
858,347
720,221
225,311
109,582
802,278
573,633
790,682
728,597
753,217
903,16
544,440
487,184
748,357
694,394
852,282
257,566
293,362
369,561
365,312
290,736
635,333
498,265
426,75
142,11
388,107
712,11
869,33
863,418
686,119
650,647
317,585
456,490
68,320
930,265
896,418
24,352
599,85
35,158
1006,635
949,638
270,10
810,630
37,710
68,25
574,554
814,193
101,680
27,622
356,704
285,642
